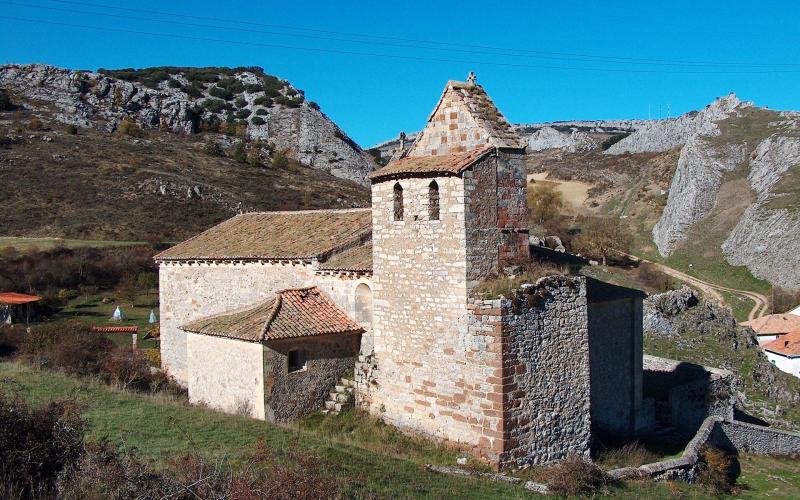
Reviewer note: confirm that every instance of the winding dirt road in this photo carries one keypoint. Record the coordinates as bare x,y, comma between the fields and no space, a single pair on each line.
711,290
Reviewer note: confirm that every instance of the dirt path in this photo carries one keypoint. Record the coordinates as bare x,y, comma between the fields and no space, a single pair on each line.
712,290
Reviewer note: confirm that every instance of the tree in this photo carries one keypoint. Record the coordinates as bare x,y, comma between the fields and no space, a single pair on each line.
600,237
544,202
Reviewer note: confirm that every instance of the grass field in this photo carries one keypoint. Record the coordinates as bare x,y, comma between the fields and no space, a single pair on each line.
91,310
371,459
28,244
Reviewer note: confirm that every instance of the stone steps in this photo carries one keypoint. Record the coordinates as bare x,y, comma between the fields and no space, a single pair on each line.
340,398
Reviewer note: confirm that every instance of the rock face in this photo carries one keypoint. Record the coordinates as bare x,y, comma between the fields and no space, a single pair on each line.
101,100
762,149
662,308
657,135
550,138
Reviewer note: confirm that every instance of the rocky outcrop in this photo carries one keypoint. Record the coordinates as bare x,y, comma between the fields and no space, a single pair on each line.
699,174
656,136
661,309
550,138
98,100
767,237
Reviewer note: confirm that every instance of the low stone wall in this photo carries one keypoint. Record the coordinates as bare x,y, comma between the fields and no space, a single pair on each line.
728,435
755,439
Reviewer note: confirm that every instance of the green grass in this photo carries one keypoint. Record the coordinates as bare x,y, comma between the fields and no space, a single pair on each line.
739,304
370,458
29,244
91,310
769,476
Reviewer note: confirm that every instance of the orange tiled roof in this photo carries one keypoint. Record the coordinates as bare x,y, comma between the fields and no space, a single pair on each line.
115,329
788,345
276,235
294,313
774,324
444,164
13,298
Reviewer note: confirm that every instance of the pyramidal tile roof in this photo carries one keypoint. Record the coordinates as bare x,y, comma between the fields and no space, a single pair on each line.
788,344
292,313
303,234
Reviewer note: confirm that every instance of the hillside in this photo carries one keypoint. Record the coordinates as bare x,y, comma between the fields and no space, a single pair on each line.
91,156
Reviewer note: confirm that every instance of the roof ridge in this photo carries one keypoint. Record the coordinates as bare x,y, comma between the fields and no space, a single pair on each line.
272,315
316,210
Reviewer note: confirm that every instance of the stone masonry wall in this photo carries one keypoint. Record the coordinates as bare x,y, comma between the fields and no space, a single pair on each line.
546,370
512,207
226,374
289,396
451,129
432,366
192,291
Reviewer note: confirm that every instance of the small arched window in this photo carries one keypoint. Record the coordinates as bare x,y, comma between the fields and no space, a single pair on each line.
398,202
363,305
433,201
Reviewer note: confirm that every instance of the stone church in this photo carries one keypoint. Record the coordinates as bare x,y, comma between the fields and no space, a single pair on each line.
264,313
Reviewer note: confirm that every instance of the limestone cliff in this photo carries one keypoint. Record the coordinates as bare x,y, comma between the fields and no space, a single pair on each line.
186,100
736,188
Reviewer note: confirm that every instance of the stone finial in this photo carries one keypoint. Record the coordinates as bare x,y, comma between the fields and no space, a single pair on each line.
471,78
402,140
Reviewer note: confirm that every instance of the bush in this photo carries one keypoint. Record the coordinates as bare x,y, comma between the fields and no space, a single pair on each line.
628,455
575,476
193,91
34,124
36,445
71,130
262,101
257,120
239,154
221,93
70,346
5,101
262,112
215,105
243,113
129,127
127,370
174,84
280,159
651,278
601,237
716,471
213,148
240,102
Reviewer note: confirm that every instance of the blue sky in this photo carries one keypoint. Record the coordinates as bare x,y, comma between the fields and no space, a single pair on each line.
378,68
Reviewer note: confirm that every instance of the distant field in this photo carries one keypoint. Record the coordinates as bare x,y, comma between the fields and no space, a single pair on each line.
28,244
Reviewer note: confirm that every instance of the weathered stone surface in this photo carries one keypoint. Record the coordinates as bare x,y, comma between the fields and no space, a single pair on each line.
660,309
550,138
89,99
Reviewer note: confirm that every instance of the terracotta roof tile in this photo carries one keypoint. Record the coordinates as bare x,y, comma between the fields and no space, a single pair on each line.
294,313
276,235
444,164
354,259
773,324
788,345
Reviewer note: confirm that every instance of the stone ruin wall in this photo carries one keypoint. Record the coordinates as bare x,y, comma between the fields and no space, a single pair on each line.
546,372
451,129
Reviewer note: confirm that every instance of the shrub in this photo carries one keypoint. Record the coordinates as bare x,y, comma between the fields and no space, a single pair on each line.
239,154
221,93
262,112
650,277
628,455
71,130
174,84
193,91
127,370
69,346
34,124
575,476
280,159
601,237
257,120
5,101
36,445
243,113
716,471
213,148
262,101
313,105
240,102
129,127
215,105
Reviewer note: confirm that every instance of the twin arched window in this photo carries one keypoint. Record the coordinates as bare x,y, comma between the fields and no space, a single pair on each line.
433,201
